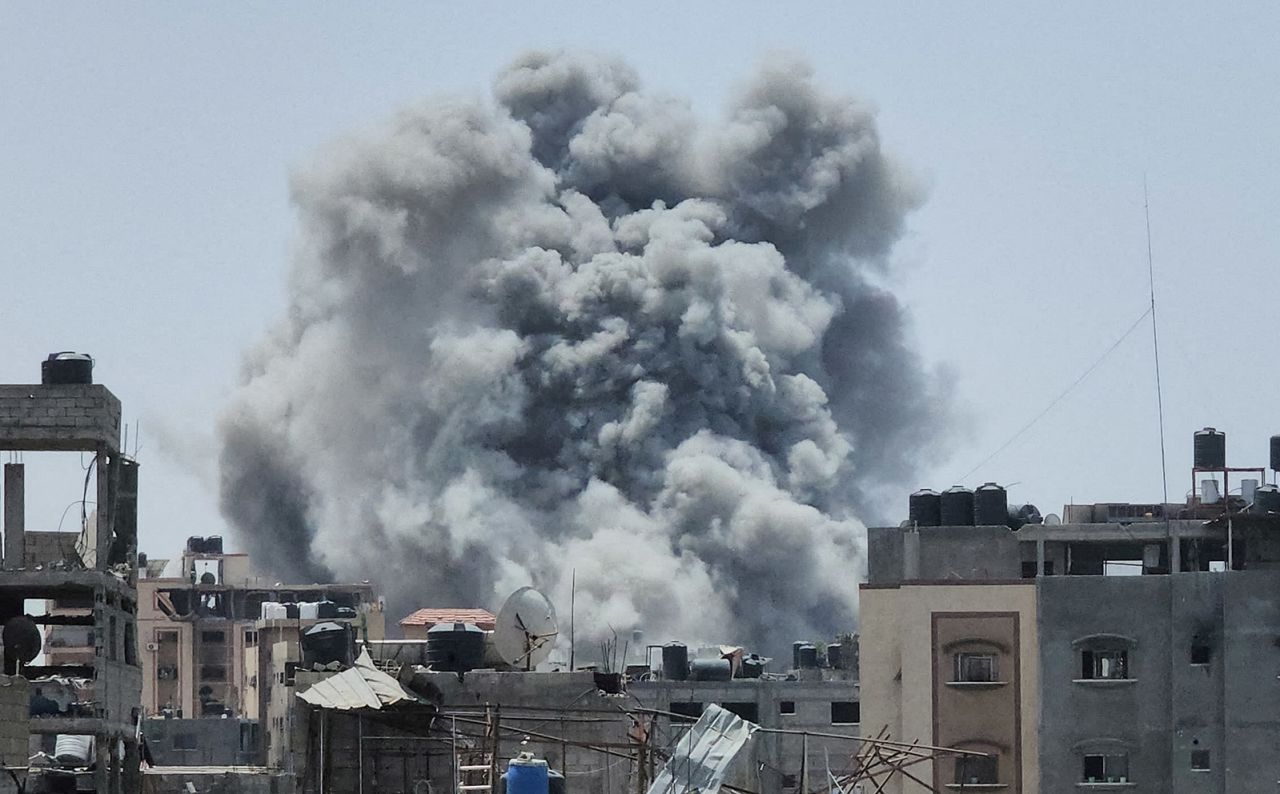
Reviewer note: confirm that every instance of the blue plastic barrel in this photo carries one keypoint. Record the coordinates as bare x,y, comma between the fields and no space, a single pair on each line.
527,775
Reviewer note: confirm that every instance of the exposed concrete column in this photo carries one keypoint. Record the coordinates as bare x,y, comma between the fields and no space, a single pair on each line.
1040,557
910,554
101,542
15,515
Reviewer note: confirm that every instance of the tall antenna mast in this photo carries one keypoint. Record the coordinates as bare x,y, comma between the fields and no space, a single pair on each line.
1155,343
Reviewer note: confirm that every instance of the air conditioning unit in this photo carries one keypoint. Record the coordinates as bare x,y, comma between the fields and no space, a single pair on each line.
153,646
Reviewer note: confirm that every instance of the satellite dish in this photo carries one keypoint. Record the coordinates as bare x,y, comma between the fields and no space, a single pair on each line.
21,639
1052,520
525,630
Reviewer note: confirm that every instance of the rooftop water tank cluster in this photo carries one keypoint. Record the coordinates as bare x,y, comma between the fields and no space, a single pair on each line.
959,506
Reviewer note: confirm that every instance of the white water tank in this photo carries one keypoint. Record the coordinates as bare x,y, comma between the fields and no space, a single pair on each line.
73,749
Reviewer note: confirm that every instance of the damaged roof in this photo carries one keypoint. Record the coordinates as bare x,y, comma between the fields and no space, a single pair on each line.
360,687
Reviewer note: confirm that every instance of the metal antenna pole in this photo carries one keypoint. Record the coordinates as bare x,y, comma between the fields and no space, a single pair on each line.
1155,344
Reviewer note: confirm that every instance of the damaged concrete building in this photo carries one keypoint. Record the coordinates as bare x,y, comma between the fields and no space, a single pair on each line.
77,587
220,648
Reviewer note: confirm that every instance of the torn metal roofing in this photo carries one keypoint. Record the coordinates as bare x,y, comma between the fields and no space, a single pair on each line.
703,755
360,687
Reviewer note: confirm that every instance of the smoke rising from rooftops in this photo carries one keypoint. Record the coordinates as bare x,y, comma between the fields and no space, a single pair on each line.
577,328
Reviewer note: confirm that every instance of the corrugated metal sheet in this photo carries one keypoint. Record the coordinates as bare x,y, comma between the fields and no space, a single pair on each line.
703,754
360,687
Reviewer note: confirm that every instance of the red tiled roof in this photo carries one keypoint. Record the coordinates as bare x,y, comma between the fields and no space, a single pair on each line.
482,618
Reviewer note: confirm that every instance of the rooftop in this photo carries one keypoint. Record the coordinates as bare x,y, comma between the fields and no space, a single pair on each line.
482,618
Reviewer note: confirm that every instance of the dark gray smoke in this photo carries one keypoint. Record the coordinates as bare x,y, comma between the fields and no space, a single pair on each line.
577,329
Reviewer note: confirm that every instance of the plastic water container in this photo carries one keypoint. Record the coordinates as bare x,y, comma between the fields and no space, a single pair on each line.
308,610
74,749
273,610
527,775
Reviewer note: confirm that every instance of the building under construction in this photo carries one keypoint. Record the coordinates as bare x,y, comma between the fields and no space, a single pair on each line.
83,707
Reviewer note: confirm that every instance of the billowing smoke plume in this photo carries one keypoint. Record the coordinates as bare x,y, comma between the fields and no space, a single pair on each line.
577,329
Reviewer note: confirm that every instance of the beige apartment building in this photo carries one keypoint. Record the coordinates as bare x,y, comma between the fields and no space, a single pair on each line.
219,647
976,689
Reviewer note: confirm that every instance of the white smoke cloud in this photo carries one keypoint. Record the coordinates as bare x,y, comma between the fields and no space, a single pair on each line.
572,330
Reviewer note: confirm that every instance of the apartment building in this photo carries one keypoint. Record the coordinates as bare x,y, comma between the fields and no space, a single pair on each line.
1131,647
219,648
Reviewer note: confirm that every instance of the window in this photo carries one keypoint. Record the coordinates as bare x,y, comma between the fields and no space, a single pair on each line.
1106,768
977,770
787,707
213,672
1200,761
689,712
1104,665
1201,654
747,711
977,668
250,639
845,712
184,741
213,637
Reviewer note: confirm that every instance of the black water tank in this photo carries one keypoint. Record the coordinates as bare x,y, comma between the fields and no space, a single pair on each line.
291,611
324,643
835,655
752,666
455,647
1275,453
957,507
1266,499
795,653
1021,515
808,657
710,670
326,610
925,508
66,367
990,505
1210,450
675,661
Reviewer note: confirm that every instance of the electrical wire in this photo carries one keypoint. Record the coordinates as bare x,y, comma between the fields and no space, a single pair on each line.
1149,311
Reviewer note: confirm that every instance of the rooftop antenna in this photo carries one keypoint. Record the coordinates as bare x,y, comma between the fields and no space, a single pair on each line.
1155,344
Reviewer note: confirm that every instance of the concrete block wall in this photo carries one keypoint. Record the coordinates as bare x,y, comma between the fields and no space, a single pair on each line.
15,703
68,413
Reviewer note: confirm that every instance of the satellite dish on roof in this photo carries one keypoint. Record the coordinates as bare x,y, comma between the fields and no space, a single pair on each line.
525,630
22,640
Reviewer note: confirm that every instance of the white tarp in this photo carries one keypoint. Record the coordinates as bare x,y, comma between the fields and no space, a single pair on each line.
702,756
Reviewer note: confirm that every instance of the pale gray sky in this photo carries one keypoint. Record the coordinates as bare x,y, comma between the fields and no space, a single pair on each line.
144,214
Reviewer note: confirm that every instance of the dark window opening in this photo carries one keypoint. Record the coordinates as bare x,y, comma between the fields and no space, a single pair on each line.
1201,654
1200,761
213,672
184,741
787,707
1106,768
977,770
789,781
213,637
845,712
689,712
748,711
1104,665
977,668
1029,569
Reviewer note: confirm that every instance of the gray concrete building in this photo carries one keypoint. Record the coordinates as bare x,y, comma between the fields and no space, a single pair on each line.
86,576
1143,647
